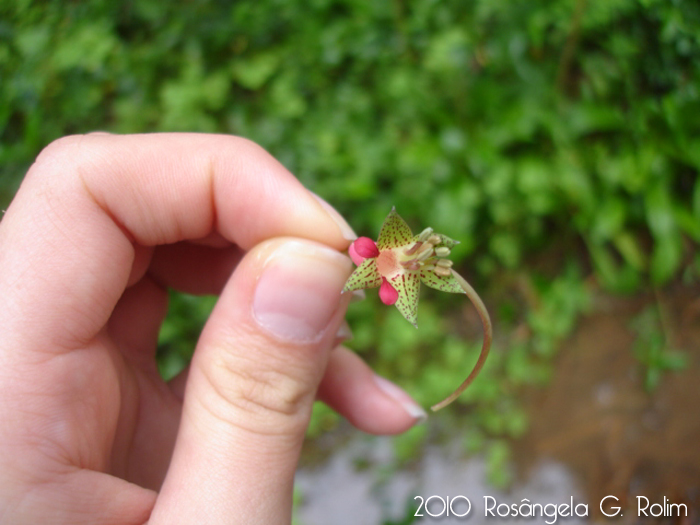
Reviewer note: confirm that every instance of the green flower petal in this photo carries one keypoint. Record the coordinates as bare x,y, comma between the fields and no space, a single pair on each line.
444,284
395,232
408,286
364,276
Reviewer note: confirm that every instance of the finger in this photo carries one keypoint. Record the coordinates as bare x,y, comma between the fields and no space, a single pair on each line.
148,419
67,237
136,320
368,401
192,268
141,261
251,385
178,383
101,499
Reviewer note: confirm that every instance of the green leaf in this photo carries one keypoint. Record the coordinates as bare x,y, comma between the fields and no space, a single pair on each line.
87,47
629,248
666,258
253,72
660,212
696,200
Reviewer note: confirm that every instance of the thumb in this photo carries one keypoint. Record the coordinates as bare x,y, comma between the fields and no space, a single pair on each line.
251,386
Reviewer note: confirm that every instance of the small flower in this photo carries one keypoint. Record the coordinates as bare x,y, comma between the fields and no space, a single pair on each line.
399,261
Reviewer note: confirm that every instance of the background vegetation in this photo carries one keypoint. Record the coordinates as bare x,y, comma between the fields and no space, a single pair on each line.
558,139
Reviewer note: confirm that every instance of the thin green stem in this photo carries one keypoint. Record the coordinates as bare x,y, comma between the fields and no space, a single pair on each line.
485,347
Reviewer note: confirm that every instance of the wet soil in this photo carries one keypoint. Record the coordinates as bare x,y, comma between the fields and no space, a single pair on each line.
597,418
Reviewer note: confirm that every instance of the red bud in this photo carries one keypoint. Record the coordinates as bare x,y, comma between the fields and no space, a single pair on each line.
365,247
388,293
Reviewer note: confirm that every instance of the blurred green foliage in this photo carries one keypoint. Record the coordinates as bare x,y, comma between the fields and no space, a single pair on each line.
509,124
652,348
558,139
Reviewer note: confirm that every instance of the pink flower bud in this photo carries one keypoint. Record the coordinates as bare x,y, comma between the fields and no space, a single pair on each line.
365,248
388,293
356,258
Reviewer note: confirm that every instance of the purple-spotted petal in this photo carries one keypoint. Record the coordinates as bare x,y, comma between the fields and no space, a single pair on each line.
395,232
408,286
365,276
444,284
388,293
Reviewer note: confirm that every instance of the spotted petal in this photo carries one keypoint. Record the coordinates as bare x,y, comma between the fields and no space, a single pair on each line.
395,232
365,276
408,286
444,284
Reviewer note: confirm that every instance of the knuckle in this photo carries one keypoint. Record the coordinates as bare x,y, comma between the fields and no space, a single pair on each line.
60,149
64,155
266,395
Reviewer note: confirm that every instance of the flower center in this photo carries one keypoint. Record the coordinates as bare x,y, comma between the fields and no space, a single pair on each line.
387,263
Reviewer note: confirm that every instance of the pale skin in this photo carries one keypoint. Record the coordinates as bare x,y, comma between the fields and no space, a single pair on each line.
89,432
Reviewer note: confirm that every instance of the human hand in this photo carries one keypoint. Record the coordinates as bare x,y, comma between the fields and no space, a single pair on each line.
89,432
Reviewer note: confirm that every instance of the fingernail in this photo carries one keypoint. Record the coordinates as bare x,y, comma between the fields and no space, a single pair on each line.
402,398
345,228
299,290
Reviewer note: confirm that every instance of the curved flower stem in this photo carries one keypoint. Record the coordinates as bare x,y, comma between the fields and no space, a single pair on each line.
485,347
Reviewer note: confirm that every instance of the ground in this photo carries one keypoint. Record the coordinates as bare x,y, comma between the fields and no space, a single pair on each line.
597,418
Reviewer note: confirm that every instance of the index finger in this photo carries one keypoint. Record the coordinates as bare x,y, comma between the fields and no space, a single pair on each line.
68,237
